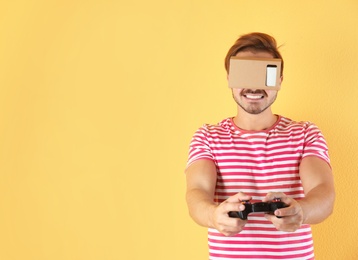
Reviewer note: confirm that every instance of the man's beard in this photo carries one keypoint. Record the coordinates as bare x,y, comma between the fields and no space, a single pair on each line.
254,109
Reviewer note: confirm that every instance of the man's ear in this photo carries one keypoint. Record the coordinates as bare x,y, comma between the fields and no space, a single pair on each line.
281,79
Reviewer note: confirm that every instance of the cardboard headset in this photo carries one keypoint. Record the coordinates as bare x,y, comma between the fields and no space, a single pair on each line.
255,73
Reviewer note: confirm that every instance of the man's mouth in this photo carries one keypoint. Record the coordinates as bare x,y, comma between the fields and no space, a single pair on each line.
254,95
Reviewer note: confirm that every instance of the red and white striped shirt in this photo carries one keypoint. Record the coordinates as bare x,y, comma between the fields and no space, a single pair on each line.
258,162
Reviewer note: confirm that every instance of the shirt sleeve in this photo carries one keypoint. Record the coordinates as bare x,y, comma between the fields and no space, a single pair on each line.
199,146
315,144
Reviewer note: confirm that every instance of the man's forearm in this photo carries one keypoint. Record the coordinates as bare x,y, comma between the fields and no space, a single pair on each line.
318,204
201,207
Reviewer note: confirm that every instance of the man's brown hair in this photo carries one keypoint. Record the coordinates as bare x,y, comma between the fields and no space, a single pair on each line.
254,42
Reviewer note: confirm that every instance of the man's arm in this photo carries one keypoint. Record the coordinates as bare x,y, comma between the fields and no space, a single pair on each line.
317,180
318,184
201,181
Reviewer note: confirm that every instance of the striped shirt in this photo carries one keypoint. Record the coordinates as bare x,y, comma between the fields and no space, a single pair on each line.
258,162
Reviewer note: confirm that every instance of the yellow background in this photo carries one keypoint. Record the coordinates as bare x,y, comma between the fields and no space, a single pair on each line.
99,100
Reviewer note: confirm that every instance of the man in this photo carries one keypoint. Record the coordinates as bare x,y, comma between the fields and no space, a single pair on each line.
259,156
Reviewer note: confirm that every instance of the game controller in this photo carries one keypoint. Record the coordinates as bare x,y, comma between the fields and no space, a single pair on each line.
265,207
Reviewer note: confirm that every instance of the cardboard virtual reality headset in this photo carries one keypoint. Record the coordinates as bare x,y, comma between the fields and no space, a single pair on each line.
255,73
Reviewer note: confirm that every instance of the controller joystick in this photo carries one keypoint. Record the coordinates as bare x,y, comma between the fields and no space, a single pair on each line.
265,207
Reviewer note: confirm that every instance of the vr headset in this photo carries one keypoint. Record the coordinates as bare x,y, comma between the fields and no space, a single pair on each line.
255,73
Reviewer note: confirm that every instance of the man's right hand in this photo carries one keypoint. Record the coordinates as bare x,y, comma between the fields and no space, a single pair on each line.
220,216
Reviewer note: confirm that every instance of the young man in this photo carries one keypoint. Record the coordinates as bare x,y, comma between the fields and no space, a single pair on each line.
259,156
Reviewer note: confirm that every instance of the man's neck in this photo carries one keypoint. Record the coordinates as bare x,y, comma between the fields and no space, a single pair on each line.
257,122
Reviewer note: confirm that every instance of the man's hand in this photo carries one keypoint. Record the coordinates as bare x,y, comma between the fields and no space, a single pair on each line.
291,218
220,217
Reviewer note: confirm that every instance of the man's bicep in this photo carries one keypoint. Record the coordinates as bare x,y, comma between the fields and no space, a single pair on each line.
201,174
314,171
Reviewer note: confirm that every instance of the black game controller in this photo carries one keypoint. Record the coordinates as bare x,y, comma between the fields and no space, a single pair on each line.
266,207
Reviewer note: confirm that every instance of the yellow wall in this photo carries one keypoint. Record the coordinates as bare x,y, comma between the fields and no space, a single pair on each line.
99,99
